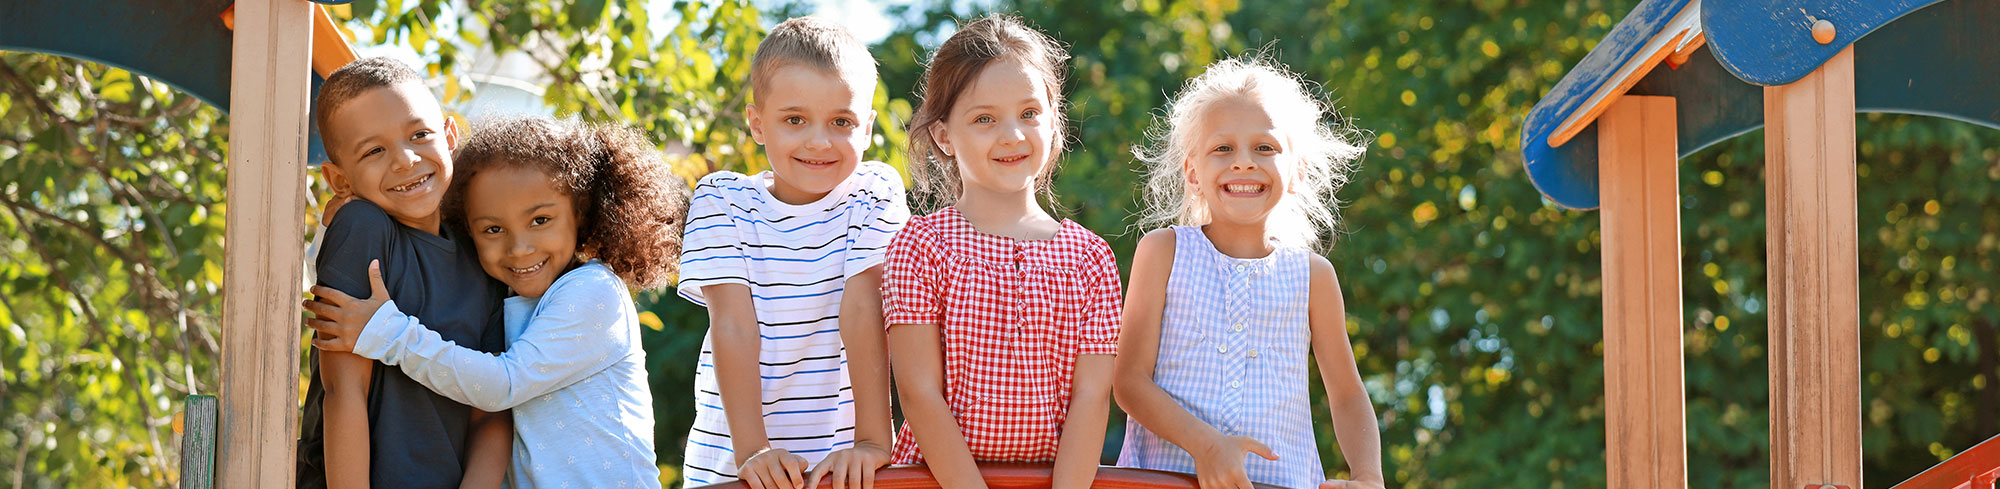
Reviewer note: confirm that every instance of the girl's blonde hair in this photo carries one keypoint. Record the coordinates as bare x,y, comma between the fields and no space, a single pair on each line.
1326,146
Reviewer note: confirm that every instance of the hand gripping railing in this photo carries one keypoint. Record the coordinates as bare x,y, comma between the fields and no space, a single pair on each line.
1023,476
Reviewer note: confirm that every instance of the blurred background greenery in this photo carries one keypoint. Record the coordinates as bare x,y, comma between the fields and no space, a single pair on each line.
1473,303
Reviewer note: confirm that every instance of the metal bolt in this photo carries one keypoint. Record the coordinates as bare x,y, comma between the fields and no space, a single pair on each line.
1822,31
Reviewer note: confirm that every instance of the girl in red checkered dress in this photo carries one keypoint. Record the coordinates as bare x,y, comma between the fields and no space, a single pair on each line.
1003,320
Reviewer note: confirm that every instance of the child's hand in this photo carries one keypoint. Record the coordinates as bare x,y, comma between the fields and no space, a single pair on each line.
333,204
1220,463
773,468
1348,484
339,317
852,468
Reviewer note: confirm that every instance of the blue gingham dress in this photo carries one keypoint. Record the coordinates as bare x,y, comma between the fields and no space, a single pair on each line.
1233,343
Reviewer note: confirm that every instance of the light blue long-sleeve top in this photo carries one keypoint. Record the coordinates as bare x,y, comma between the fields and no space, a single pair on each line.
574,374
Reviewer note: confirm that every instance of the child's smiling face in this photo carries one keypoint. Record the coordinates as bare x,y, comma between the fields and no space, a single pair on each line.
813,124
1240,161
525,230
392,146
1000,128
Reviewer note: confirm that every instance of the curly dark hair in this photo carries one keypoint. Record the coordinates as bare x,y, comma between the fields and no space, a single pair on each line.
630,206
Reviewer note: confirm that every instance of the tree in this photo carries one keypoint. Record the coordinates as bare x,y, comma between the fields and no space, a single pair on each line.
111,219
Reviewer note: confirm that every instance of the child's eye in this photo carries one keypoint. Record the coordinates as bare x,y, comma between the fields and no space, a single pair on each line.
540,220
795,120
983,119
371,152
1224,148
1031,113
1266,148
491,230
843,122
421,135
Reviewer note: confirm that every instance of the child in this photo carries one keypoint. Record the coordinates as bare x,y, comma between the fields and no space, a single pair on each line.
389,144
1225,305
567,215
787,263
1003,320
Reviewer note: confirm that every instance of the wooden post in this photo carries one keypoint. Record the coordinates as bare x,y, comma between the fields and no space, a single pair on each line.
1813,274
270,80
198,443
1644,420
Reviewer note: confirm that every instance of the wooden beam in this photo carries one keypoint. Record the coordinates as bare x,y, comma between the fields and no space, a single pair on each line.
198,443
1813,273
1644,419
270,76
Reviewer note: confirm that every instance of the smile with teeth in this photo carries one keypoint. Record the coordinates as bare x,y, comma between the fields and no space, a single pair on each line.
1243,188
1011,159
408,186
532,269
815,162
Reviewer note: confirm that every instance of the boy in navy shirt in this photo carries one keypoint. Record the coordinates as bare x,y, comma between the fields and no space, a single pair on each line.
390,146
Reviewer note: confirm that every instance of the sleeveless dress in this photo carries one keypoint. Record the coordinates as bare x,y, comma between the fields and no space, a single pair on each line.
1234,337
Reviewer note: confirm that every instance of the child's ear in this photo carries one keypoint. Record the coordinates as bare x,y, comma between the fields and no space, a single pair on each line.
450,133
336,179
941,139
756,123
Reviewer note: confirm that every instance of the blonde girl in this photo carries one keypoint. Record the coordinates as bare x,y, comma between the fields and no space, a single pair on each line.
1226,304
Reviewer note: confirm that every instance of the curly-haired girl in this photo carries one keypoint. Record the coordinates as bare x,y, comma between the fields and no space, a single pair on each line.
1226,304
568,215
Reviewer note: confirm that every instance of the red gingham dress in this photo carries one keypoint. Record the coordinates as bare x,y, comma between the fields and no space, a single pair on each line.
1014,315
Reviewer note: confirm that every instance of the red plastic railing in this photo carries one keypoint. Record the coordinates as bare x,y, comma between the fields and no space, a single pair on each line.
1023,476
1975,468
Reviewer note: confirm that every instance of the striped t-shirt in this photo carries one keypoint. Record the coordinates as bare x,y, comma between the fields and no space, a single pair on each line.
796,260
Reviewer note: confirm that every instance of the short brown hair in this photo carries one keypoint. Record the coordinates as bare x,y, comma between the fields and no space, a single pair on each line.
952,69
815,43
354,79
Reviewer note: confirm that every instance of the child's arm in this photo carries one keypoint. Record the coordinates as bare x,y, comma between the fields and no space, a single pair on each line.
1082,439
582,330
1218,458
488,449
1354,426
1083,430
918,358
868,368
346,376
733,323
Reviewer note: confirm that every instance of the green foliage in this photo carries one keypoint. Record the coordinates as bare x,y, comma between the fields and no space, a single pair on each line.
111,222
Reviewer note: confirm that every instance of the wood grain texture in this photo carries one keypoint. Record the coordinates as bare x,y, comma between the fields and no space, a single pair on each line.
1645,424
198,443
270,79
1813,275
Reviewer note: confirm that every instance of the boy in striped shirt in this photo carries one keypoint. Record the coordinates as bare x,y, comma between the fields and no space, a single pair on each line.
792,383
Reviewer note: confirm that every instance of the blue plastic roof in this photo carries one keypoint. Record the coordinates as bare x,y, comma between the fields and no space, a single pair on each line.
1558,175
182,43
1769,42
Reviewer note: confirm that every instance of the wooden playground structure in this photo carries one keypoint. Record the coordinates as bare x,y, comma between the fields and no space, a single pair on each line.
1675,76
1672,77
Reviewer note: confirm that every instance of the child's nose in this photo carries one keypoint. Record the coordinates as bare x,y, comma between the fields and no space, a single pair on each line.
1242,161
1013,132
819,140
409,159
